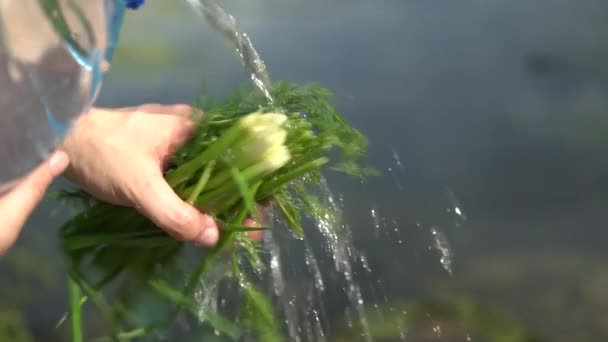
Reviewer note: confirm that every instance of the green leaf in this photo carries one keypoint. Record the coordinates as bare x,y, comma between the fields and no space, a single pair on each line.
247,195
106,241
291,214
260,315
224,326
229,227
200,185
75,310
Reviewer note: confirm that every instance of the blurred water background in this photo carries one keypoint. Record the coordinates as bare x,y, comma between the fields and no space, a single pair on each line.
488,119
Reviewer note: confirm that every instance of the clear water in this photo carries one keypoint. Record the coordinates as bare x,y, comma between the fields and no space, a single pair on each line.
297,307
488,120
226,25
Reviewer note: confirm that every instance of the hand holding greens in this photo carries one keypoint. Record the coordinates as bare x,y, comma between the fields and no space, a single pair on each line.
244,151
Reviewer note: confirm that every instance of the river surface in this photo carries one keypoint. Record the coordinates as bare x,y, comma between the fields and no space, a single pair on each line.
487,118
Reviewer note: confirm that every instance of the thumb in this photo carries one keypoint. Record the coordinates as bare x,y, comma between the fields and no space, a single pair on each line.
157,201
18,203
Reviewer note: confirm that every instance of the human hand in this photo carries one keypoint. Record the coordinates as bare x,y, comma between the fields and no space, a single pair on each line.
119,155
18,202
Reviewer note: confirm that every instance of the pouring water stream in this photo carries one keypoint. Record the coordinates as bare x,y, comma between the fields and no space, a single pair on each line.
225,24
303,317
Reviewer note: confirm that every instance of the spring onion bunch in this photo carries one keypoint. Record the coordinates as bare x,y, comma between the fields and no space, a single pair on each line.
244,151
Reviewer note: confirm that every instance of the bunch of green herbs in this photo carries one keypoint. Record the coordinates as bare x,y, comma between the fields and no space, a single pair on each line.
115,253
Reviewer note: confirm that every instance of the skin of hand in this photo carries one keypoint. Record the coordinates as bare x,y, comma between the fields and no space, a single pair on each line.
18,202
119,156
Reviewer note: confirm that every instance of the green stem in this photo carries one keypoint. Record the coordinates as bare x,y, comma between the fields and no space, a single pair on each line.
299,171
291,220
229,202
226,240
188,291
229,187
235,262
204,267
183,172
75,310
219,179
239,228
201,182
96,297
236,159
109,277
133,334
80,241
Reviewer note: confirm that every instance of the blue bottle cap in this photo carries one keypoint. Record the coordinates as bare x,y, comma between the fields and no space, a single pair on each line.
134,4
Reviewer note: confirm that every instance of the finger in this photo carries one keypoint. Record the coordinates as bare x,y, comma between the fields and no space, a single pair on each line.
250,222
178,133
19,202
157,201
254,235
182,110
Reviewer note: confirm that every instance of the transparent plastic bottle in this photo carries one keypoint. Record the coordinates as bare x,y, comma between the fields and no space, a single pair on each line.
53,55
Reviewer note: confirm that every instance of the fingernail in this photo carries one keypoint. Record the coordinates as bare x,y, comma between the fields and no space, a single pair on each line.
209,237
59,162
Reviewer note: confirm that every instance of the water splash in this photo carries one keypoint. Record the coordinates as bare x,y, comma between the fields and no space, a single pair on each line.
375,221
277,285
437,331
318,330
313,267
365,263
455,206
312,317
225,24
397,172
207,294
442,245
336,236
341,249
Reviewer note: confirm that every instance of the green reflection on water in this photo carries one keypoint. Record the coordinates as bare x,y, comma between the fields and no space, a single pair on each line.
13,327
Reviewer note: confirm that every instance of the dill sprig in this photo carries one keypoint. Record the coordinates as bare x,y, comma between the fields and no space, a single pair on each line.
234,160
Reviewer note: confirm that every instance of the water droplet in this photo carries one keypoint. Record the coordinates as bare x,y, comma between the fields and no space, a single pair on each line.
397,160
349,319
340,247
397,174
437,330
375,221
278,281
365,263
455,205
441,244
